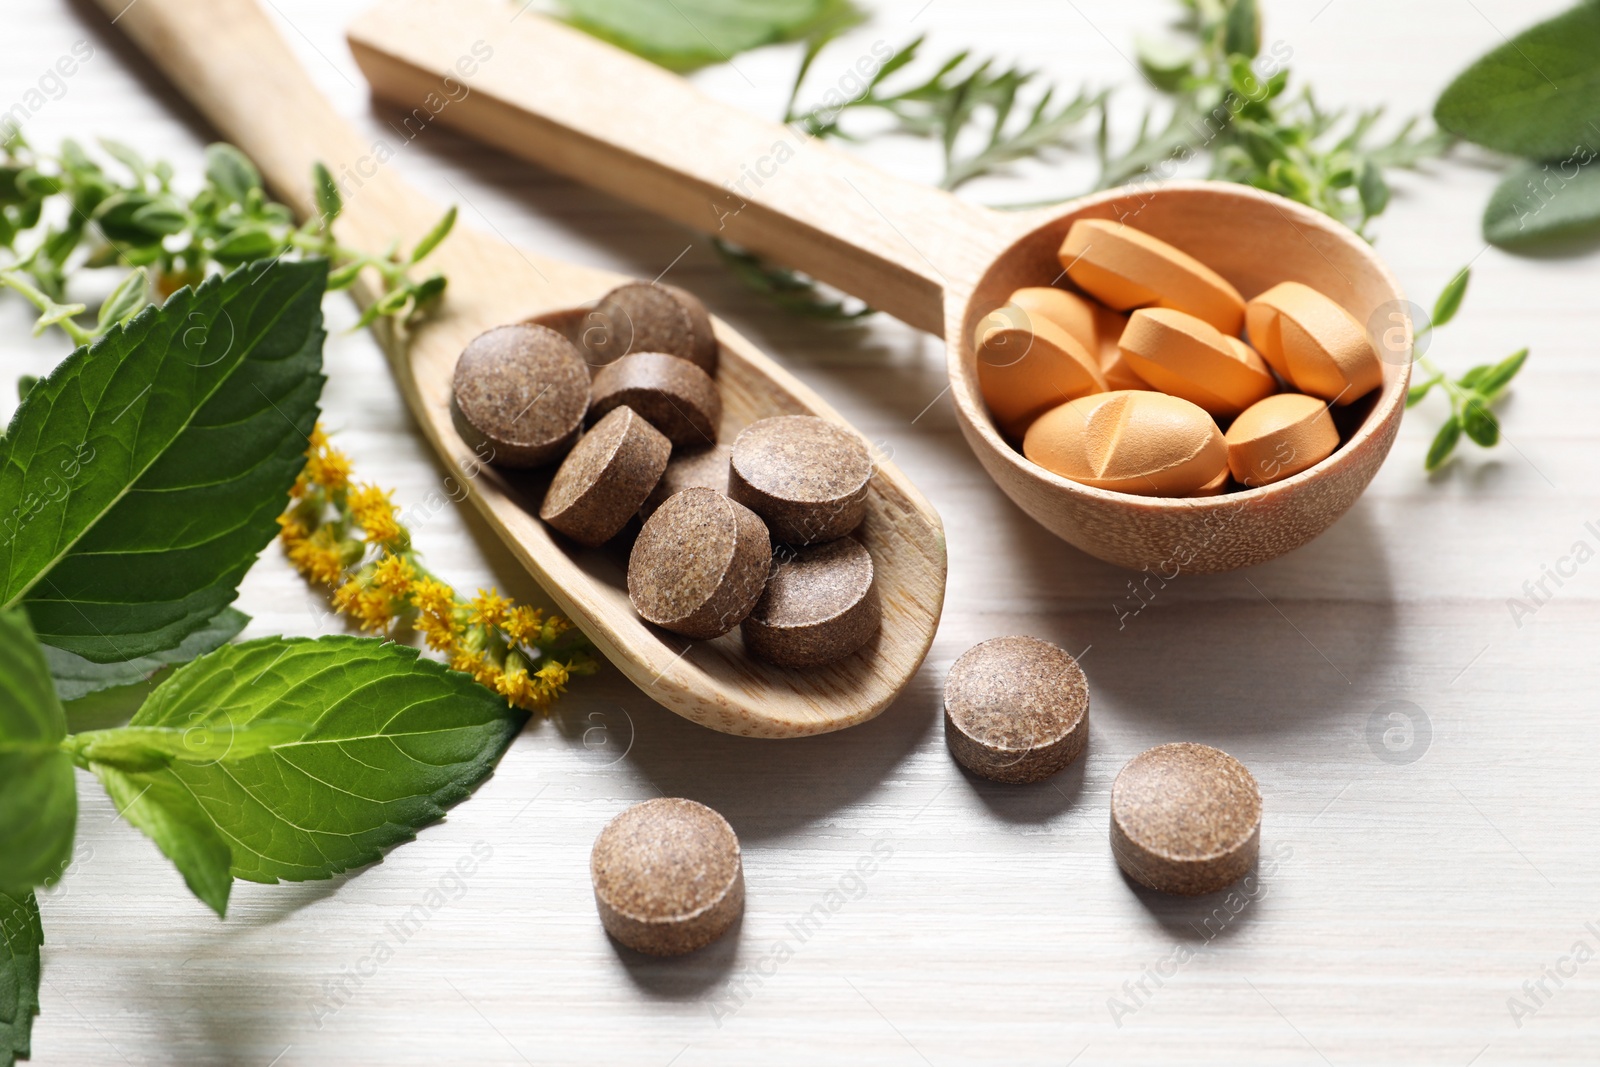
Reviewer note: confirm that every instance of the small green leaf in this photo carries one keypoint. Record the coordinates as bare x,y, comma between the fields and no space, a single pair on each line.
246,245
1443,444
372,742
431,239
38,798
161,217
145,474
329,202
1479,422
1372,188
1449,302
1535,95
126,156
1415,394
127,298
1164,62
21,938
1496,378
343,276
231,172
76,677
689,33
1241,34
1538,202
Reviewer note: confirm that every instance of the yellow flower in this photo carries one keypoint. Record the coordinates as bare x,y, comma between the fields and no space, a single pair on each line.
347,597
374,609
523,624
555,676
291,529
488,608
554,627
317,557
433,597
394,575
372,511
328,468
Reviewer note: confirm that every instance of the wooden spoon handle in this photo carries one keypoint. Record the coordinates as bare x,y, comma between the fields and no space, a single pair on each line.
552,94
229,60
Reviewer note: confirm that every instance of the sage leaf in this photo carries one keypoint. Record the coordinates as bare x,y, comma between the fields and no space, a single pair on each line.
21,938
1444,443
38,798
349,744
76,677
1538,202
149,469
690,33
1450,297
1537,95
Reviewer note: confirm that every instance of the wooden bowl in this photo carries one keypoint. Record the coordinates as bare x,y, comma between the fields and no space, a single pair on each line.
1255,240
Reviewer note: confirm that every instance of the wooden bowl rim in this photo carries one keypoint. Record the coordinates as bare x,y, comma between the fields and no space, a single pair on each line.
1388,407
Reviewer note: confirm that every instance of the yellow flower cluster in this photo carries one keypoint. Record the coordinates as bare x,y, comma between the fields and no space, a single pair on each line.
334,523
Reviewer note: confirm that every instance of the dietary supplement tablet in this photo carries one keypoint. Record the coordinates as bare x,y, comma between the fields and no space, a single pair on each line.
806,477
1016,709
1186,357
1125,268
677,397
668,876
1185,818
699,564
1279,437
519,394
650,317
605,478
1146,443
820,605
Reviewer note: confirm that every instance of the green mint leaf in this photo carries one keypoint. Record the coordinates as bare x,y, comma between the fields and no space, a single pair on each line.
76,677
1449,302
377,741
691,33
431,239
1443,444
146,473
1241,33
127,298
1479,422
1494,379
1538,202
231,172
21,938
38,798
160,806
329,202
151,748
1534,96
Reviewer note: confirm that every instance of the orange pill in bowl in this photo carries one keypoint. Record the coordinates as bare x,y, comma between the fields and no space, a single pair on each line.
1187,357
1279,437
1131,441
1125,268
1313,343
1094,325
1027,364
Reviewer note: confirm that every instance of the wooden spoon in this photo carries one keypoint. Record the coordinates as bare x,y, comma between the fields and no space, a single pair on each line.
559,97
231,63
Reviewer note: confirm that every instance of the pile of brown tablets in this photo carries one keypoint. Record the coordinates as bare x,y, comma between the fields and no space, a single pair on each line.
1168,400
753,534
1185,818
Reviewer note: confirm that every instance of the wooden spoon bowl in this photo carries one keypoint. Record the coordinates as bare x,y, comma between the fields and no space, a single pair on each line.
560,98
227,58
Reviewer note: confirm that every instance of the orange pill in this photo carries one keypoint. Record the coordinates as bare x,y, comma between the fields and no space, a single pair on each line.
1313,343
1124,268
1027,364
1279,437
1216,486
1131,441
1184,356
1094,325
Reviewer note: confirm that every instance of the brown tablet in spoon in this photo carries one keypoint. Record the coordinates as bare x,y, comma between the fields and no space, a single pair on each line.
699,564
606,476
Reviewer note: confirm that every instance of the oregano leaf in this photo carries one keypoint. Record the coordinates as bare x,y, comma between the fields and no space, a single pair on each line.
38,798
149,468
1444,443
1479,422
371,742
1496,378
1538,202
1450,297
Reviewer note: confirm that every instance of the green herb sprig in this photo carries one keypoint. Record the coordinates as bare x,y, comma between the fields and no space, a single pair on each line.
64,212
1473,394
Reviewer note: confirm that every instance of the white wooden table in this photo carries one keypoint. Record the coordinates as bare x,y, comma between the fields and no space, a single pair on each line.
1407,902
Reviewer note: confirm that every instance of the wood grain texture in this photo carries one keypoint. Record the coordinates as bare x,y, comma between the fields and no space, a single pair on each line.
1407,903
230,61
597,114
